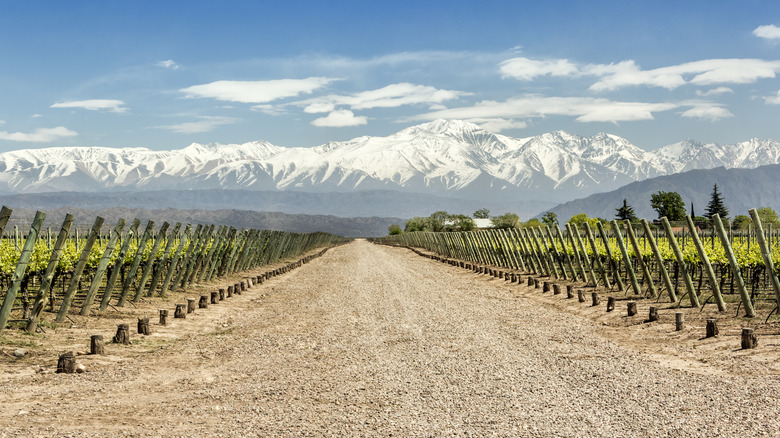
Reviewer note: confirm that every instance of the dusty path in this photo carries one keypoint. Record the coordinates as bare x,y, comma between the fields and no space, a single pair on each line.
376,341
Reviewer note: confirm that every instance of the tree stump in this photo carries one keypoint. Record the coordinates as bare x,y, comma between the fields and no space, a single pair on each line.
653,316
546,286
143,326
260,279
163,316
236,288
122,334
556,289
181,311
610,304
96,345
537,283
569,292
749,339
581,295
712,327
512,278
203,303
501,275
594,296
190,305
531,282
519,279
679,321
214,297
66,363
229,291
221,294
632,308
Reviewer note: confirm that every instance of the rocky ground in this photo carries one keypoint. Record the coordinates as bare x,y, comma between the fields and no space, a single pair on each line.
378,341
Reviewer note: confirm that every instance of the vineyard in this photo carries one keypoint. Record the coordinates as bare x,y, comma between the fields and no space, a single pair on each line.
683,265
77,271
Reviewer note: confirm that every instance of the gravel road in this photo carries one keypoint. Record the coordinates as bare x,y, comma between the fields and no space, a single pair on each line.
377,341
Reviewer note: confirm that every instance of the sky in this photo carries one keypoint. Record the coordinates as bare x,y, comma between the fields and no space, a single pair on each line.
162,75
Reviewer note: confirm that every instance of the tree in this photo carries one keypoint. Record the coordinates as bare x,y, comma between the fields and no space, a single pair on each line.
668,204
417,224
625,212
767,216
506,220
438,221
741,222
581,219
530,223
460,222
394,229
716,205
550,219
482,213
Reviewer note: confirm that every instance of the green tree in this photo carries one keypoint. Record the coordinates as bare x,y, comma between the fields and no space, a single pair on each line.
438,221
550,219
460,222
506,220
394,229
581,219
668,204
716,205
417,224
625,212
482,213
767,216
741,222
534,222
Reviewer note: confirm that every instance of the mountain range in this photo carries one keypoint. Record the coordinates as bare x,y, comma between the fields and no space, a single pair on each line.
445,163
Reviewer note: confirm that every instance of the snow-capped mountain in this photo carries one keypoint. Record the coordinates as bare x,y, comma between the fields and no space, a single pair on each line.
447,158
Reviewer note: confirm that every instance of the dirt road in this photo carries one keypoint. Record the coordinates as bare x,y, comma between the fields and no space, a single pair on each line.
377,341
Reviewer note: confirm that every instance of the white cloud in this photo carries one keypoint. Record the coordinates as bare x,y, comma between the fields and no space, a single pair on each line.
340,118
627,73
205,124
40,135
704,72
36,116
110,105
707,112
256,91
499,124
769,31
527,69
585,109
390,96
271,110
714,91
773,100
168,63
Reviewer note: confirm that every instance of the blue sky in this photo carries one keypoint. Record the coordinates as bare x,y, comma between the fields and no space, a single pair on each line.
297,73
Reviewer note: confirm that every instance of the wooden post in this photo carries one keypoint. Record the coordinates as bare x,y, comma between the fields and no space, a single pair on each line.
21,267
556,289
204,302
659,261
610,304
221,294
122,334
229,291
150,262
632,310
766,254
580,295
181,311
613,264
66,363
569,291
626,259
537,283
679,321
724,240
190,305
595,298
163,316
127,239
681,263
638,251
143,326
96,345
596,256
653,315
130,277
705,261
749,339
712,327
101,268
531,281
214,297
546,287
